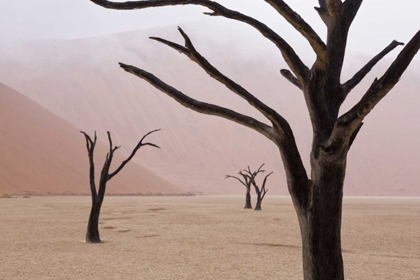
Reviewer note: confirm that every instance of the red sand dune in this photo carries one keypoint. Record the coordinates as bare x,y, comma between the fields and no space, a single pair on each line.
80,81
44,154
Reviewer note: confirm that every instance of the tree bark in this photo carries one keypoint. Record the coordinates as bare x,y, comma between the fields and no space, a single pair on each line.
258,205
248,204
320,224
92,234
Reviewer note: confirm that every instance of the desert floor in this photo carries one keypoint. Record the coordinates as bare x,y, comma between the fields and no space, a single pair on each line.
198,238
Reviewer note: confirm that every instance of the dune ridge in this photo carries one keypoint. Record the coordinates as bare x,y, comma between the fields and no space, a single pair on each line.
44,154
80,81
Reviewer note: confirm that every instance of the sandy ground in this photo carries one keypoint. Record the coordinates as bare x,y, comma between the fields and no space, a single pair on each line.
197,238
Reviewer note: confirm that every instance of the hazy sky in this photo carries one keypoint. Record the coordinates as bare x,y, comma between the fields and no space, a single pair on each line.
377,24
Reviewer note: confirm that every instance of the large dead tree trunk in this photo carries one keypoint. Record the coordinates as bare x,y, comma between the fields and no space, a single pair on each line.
318,198
321,225
92,234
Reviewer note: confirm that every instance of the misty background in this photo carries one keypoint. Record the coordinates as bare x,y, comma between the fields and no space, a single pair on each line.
377,23
64,54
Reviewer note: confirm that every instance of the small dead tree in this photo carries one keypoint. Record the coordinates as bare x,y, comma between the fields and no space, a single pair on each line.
92,235
259,191
247,183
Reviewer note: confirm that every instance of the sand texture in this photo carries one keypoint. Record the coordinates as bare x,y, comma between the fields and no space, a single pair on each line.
44,154
198,238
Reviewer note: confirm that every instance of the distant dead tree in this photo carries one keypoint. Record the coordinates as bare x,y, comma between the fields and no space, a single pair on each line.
247,183
249,180
259,191
317,198
92,235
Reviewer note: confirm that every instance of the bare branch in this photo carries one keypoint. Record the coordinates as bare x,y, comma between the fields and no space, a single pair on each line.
349,122
350,9
300,25
358,77
110,143
173,45
251,175
201,107
115,148
229,176
322,11
89,142
133,153
289,76
90,146
263,189
247,182
195,56
265,180
259,169
290,56
338,21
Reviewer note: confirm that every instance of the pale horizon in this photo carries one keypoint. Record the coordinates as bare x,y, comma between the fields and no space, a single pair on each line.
376,25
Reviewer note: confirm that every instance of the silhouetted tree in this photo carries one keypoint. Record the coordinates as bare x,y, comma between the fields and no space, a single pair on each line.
247,183
318,199
259,191
92,234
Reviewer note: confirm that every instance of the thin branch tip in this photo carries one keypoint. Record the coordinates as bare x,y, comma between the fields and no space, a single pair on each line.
212,14
398,43
124,66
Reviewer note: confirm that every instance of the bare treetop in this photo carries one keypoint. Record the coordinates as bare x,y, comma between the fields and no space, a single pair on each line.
98,194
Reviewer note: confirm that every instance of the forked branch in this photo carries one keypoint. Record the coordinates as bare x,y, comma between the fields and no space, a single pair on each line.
263,189
358,77
350,9
381,87
351,121
234,177
289,76
300,25
190,51
133,153
254,174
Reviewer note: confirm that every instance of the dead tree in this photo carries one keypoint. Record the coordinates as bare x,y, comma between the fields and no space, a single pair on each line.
92,234
259,191
317,199
247,183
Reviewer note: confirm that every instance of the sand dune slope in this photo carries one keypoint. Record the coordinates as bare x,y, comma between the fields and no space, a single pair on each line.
80,81
43,154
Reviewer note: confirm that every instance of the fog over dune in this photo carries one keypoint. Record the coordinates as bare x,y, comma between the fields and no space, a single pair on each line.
80,81
44,154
